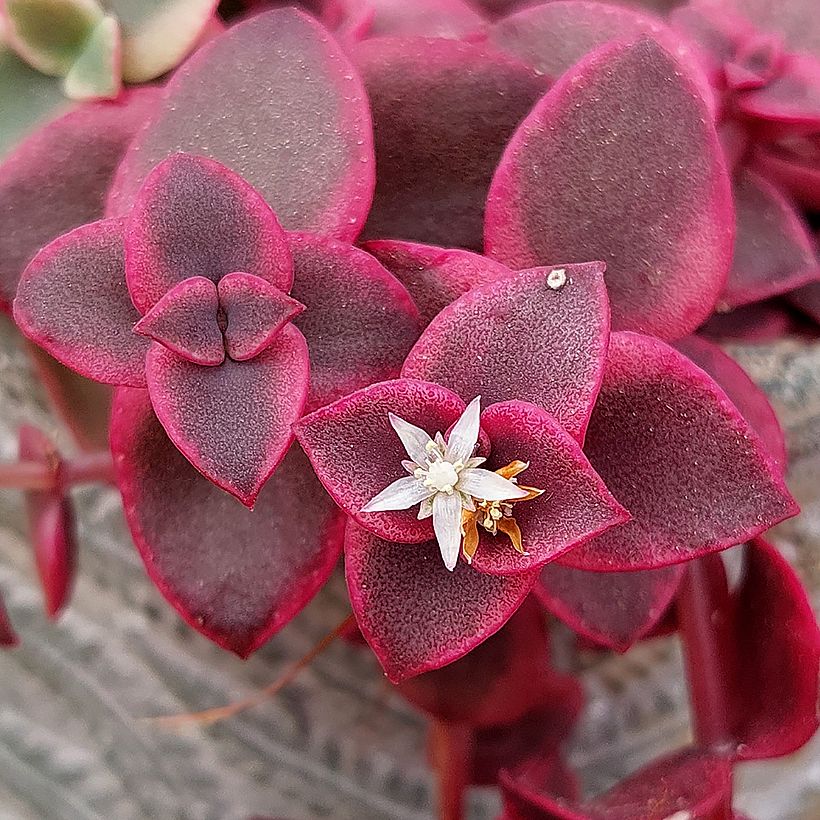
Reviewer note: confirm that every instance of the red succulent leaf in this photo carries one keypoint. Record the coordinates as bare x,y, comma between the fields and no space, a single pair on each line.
678,455
742,391
691,783
499,682
434,276
356,453
760,322
73,302
276,100
778,649
431,18
807,299
232,422
57,179
195,217
794,166
567,189
540,336
359,323
612,609
443,110
234,575
796,20
574,506
255,312
774,252
51,523
8,637
415,615
185,321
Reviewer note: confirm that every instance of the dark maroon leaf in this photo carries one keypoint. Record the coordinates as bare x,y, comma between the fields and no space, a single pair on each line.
8,637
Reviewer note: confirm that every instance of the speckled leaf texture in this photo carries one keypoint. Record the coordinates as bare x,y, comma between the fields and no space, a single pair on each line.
73,302
674,450
234,575
520,339
276,100
434,276
51,524
443,111
415,615
57,179
356,453
620,162
691,783
456,19
774,252
233,421
195,217
360,322
613,609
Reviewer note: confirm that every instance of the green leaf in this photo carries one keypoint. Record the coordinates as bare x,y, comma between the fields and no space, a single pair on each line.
96,73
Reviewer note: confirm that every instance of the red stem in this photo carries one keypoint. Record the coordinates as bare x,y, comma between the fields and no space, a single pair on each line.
704,611
26,475
451,746
89,468
85,468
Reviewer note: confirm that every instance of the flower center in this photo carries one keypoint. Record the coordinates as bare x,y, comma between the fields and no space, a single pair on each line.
441,476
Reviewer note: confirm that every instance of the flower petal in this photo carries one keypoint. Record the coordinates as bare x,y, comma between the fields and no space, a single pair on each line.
402,494
463,435
574,506
443,110
185,321
509,339
674,450
774,252
742,391
434,276
360,322
447,527
415,615
356,452
51,524
567,189
271,97
57,179
195,217
73,302
234,575
232,422
614,609
490,486
255,312
414,439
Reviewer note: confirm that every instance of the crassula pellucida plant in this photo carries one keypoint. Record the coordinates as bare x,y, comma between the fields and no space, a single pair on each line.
426,292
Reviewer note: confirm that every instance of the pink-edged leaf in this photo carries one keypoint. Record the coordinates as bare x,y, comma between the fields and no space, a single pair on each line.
234,575
791,98
8,637
774,252
499,682
574,506
807,299
771,602
613,609
443,110
72,301
521,338
195,217
356,453
760,322
796,20
678,455
591,167
185,321
688,783
742,391
57,179
276,100
794,166
416,615
51,524
232,422
255,312
360,322
429,18
434,276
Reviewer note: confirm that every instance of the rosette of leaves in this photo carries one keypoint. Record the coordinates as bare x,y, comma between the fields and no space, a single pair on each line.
96,45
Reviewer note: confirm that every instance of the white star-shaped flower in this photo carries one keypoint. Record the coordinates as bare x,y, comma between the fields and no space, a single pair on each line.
444,479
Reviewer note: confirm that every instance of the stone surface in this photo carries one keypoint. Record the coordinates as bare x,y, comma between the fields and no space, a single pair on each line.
336,743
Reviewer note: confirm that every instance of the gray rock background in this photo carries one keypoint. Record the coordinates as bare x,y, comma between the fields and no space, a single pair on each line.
336,743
